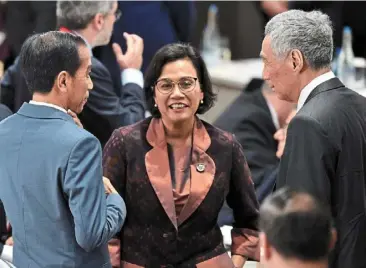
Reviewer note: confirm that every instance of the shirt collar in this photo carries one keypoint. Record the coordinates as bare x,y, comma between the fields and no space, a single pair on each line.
66,30
88,45
48,105
273,114
306,91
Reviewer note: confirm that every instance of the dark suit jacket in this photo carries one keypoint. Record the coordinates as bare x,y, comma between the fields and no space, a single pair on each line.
4,112
157,22
249,119
52,191
325,154
109,106
136,161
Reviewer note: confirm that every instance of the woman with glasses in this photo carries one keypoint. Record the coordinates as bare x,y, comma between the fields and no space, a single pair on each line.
174,172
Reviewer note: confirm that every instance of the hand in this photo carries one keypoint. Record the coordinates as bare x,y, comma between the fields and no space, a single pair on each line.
133,58
281,135
9,241
238,261
109,189
75,118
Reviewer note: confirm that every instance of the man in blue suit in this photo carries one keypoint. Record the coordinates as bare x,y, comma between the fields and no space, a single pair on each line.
51,169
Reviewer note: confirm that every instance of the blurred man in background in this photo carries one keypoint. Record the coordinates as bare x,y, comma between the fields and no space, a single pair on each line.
158,22
295,231
110,105
254,118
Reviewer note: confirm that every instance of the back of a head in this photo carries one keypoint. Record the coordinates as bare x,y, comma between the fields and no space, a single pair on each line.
296,225
76,15
309,32
44,56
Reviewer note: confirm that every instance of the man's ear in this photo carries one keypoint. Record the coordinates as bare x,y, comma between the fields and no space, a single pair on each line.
297,60
98,22
62,81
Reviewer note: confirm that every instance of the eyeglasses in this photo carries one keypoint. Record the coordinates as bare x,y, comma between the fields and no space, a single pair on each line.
118,14
185,84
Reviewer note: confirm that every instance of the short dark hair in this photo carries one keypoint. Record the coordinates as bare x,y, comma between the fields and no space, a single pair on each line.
297,225
170,53
44,56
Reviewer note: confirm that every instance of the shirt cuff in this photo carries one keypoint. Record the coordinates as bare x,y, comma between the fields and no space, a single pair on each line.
7,253
131,75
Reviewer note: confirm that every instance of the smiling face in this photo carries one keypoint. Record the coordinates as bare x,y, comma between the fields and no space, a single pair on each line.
178,105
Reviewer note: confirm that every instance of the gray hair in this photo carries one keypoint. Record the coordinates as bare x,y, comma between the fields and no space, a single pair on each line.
76,15
309,32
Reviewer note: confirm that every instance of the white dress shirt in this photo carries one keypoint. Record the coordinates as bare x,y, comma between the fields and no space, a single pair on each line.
274,115
48,104
306,91
7,254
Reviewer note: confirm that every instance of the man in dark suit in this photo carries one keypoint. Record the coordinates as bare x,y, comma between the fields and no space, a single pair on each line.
51,172
325,151
157,22
254,117
110,105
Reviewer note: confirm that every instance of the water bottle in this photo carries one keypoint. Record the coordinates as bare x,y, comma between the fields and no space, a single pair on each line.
211,47
346,70
334,63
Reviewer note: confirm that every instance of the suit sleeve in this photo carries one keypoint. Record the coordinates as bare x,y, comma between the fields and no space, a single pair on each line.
183,16
96,218
309,159
119,110
242,199
259,152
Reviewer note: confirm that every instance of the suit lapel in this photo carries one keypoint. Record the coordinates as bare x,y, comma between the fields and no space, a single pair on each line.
202,170
157,165
325,86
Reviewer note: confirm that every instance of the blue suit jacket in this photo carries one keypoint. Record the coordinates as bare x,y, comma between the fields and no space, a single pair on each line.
52,190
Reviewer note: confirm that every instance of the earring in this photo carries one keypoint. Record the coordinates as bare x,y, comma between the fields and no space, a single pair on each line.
201,102
155,105
262,252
